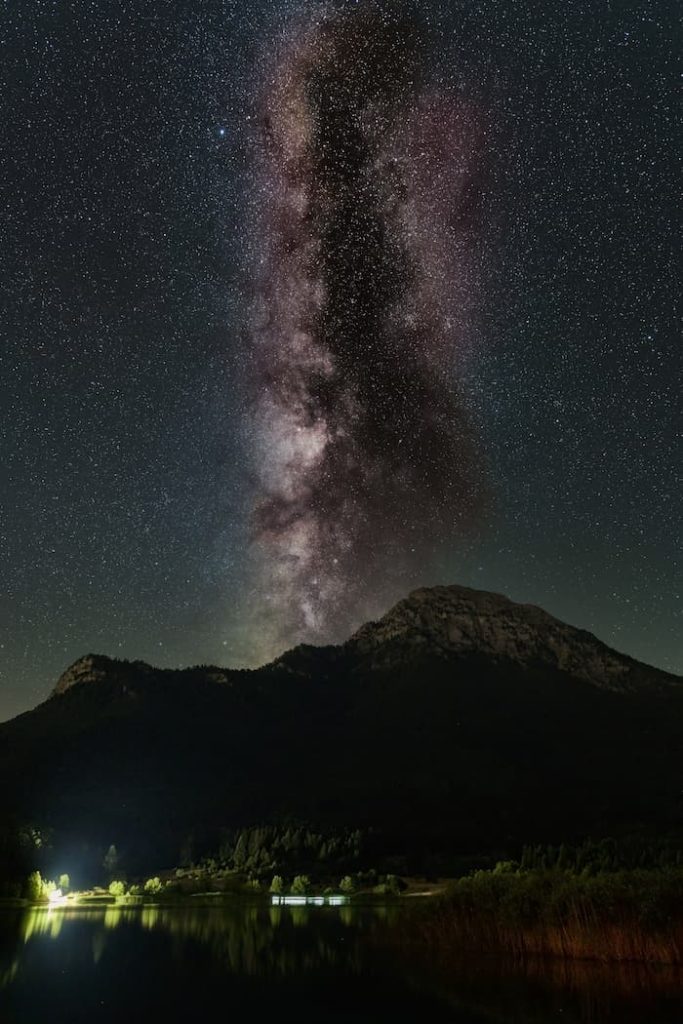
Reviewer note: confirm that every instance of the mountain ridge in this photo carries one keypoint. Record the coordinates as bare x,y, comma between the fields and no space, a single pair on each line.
458,721
462,620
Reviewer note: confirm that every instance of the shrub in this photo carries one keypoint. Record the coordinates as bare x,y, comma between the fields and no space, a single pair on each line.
117,888
64,883
301,885
277,886
391,886
36,888
347,884
153,886
506,867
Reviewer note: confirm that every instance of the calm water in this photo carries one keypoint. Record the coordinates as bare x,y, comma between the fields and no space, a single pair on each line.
290,963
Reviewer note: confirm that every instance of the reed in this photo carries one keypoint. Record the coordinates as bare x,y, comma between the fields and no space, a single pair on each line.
621,916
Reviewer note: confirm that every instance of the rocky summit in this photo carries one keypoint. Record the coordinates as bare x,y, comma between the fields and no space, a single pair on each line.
459,621
91,668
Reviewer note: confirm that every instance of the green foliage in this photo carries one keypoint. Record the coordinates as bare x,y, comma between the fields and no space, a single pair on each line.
392,885
64,883
549,895
34,886
36,889
117,888
153,886
505,867
253,885
347,884
300,885
264,849
277,885
594,857
365,879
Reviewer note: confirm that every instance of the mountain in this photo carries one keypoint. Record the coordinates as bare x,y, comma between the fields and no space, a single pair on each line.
460,621
458,722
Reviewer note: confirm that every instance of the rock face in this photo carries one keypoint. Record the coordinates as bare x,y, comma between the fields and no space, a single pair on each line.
92,668
456,620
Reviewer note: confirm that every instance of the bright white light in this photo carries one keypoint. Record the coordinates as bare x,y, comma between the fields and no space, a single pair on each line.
311,901
56,896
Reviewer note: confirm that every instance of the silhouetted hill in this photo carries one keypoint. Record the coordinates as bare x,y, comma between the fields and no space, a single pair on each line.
460,721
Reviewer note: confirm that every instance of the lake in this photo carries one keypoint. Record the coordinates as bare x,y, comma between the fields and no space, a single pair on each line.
301,962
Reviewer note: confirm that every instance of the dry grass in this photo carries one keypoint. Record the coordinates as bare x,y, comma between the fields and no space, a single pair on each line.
627,916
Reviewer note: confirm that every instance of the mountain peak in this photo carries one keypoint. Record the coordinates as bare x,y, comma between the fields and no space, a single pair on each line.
91,668
458,620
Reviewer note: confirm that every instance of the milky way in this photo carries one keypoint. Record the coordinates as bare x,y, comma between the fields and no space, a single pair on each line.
365,458
148,166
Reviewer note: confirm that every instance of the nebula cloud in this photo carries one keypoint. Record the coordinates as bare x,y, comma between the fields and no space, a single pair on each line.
364,296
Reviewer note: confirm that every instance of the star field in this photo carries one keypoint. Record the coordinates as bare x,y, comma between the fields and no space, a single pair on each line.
130,454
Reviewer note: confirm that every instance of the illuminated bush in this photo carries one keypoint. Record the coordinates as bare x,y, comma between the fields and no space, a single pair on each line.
64,883
301,885
36,888
277,886
153,886
117,888
347,884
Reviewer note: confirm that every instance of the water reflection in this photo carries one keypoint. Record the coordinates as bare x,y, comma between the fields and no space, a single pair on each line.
257,939
536,990
121,954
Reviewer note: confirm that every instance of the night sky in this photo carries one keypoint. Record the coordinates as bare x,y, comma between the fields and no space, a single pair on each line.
302,306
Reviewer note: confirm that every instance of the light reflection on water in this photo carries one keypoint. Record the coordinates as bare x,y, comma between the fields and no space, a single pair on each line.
332,962
247,938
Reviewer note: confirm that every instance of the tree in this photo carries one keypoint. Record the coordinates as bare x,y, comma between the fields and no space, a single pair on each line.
277,886
347,884
110,862
153,886
64,883
35,887
117,888
301,885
